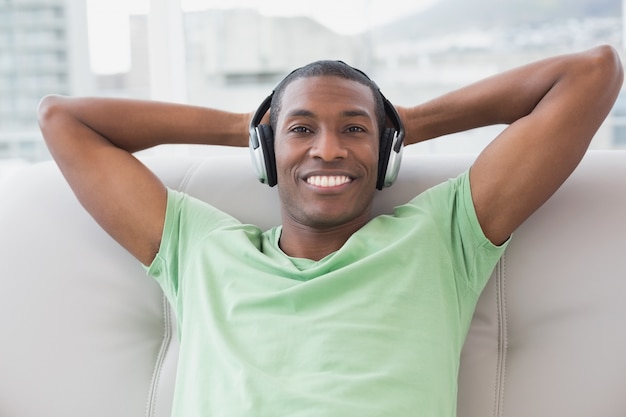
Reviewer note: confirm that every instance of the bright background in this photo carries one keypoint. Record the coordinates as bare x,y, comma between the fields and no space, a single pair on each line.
109,30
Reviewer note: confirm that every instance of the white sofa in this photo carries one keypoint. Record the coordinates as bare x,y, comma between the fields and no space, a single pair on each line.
86,333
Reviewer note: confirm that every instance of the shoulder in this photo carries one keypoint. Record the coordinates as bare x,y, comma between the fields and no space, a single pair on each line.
190,218
438,197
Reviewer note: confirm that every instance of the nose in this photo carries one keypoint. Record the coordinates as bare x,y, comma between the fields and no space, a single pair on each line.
328,147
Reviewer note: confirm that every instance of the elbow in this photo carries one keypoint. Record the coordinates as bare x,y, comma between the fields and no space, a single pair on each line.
49,110
606,60
600,72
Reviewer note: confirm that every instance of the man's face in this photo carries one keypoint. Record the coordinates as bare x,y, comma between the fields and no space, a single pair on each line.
326,145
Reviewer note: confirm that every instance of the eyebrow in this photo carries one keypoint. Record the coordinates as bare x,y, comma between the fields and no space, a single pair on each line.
301,112
355,113
346,113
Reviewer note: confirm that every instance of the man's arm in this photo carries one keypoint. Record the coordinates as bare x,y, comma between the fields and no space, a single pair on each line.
553,108
92,141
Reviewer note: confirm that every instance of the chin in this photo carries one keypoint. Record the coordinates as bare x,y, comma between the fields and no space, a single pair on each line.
327,220
327,213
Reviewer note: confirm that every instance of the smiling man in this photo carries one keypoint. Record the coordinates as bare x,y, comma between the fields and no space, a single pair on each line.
333,312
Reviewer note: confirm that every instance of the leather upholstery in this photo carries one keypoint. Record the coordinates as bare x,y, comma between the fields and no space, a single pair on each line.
86,333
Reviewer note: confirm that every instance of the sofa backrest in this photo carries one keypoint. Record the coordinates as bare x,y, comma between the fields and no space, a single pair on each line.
86,333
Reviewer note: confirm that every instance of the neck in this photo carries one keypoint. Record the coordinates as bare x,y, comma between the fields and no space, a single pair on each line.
301,241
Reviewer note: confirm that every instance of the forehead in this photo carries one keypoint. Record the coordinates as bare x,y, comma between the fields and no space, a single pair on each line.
325,93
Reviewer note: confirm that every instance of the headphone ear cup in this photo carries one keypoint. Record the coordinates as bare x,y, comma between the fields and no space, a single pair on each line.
386,142
266,140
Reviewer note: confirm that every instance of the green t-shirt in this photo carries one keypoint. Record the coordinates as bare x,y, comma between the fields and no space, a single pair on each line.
374,329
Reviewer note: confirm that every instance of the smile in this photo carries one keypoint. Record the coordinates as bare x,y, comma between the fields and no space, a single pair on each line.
328,181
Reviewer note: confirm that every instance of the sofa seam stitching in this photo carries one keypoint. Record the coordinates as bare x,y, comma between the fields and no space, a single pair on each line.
160,359
502,337
184,182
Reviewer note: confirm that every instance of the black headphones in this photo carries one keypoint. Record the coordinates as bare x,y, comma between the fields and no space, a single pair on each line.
262,144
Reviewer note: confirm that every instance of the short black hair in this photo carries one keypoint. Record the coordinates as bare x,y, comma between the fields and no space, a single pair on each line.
328,68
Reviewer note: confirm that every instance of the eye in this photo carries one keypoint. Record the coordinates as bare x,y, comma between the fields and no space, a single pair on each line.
355,129
300,129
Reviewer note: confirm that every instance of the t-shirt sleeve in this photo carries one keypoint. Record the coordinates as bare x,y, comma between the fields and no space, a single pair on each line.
472,254
187,221
480,255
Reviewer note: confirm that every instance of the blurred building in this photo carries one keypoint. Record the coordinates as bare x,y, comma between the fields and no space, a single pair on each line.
43,50
235,57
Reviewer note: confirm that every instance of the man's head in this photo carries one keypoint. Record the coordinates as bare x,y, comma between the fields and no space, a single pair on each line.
262,135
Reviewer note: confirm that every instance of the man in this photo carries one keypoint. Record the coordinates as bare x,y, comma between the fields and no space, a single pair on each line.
332,313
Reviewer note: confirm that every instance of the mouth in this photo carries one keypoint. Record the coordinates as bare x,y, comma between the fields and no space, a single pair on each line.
328,181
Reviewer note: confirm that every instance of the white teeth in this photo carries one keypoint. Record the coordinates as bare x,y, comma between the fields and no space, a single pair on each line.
328,181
